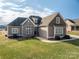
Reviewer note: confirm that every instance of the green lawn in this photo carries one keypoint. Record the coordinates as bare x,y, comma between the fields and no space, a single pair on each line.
35,49
74,32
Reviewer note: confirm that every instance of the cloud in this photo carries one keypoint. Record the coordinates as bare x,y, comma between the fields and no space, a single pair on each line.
11,9
10,15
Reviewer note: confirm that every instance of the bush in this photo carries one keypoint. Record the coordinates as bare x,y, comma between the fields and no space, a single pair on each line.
10,37
15,36
57,37
67,37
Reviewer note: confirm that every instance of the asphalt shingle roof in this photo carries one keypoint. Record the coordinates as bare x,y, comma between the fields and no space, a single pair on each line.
70,20
17,21
77,22
46,20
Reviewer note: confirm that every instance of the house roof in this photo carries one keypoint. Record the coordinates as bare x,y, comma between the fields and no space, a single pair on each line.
36,19
17,21
71,20
77,22
46,20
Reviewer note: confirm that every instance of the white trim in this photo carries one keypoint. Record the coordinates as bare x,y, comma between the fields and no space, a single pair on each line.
27,20
23,22
31,21
22,30
13,31
47,33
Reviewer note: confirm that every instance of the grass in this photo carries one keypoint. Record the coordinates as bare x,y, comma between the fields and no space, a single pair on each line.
74,32
35,49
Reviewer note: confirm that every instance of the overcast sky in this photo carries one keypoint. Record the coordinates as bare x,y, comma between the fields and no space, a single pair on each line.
11,9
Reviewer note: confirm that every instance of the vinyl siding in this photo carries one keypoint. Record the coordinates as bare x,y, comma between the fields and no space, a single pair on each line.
69,24
43,32
10,30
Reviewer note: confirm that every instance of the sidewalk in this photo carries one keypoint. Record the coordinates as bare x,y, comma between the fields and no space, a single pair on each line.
75,36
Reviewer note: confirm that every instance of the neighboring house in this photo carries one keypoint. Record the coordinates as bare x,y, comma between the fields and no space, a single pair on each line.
72,25
48,27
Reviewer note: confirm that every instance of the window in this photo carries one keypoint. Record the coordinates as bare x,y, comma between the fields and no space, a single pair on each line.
14,30
59,31
29,30
57,20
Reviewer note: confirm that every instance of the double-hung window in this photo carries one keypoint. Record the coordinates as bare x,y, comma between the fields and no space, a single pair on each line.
59,31
14,30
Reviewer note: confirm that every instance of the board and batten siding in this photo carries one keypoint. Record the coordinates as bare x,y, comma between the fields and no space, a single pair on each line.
50,31
24,31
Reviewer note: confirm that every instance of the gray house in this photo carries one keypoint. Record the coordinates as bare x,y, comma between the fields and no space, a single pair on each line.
49,27
21,27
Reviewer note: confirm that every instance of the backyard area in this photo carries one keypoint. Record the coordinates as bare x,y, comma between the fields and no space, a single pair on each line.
35,49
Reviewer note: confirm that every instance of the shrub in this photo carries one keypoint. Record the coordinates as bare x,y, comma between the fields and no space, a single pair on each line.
15,36
67,37
10,37
57,37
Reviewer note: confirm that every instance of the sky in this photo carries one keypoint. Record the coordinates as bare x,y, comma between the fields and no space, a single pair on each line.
11,9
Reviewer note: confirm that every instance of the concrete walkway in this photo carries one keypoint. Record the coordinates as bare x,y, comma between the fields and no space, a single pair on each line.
74,37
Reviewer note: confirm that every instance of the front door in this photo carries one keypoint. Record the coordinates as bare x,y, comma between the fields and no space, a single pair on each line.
58,31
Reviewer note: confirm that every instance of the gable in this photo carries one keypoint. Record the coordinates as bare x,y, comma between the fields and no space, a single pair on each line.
46,20
61,21
69,22
28,22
